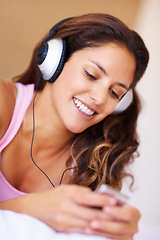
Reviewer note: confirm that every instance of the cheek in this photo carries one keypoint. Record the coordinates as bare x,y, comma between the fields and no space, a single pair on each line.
68,77
110,107
73,77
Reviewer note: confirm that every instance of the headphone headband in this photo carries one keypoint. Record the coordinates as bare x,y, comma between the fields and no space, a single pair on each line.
53,30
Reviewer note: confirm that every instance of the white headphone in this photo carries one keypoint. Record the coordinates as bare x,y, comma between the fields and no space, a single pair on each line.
51,56
125,102
53,62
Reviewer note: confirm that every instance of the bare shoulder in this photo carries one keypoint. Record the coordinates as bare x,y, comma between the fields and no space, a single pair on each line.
8,93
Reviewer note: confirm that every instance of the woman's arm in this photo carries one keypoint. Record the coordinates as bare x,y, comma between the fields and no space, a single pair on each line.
8,93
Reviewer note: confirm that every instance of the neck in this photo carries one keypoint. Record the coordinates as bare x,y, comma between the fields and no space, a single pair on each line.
48,129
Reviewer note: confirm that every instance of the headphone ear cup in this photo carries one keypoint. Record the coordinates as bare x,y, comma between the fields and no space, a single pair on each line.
125,102
41,53
51,58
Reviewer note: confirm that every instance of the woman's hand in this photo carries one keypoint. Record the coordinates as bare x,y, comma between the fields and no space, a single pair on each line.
72,208
67,208
122,223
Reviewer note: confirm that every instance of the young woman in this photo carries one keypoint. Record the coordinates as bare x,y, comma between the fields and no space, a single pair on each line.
60,135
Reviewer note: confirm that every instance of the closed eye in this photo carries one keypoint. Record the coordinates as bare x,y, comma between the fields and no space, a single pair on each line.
89,75
114,94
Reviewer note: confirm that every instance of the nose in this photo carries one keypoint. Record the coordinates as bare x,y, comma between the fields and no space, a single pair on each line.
99,94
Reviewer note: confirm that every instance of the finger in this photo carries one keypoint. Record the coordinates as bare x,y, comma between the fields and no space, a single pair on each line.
123,213
108,235
93,199
85,196
68,223
112,227
83,212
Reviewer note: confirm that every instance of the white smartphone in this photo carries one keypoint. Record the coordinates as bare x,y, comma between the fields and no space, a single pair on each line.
122,198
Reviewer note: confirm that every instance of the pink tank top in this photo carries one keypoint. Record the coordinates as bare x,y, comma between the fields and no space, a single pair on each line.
23,101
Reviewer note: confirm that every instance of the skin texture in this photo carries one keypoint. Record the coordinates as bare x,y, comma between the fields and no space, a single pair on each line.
94,76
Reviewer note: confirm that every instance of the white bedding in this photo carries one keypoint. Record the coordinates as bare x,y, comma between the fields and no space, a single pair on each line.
19,226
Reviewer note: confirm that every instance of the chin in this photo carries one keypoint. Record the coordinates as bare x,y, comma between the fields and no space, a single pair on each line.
76,129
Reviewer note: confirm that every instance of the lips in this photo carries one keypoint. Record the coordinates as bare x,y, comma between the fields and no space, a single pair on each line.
83,108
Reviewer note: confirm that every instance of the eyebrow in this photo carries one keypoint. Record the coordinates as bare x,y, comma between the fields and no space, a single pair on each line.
104,71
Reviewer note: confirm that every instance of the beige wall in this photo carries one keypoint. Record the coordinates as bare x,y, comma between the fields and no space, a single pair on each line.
24,22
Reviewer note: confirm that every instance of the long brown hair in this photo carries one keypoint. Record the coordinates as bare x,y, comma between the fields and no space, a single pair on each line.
115,140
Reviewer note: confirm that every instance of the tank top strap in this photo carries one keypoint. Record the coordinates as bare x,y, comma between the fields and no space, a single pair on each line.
23,101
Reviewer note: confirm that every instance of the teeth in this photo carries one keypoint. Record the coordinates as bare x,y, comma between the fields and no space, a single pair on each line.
83,108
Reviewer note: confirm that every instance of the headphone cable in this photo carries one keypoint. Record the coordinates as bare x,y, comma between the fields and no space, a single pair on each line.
31,148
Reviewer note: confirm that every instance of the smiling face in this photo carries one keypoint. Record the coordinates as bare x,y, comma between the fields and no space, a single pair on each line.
91,84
